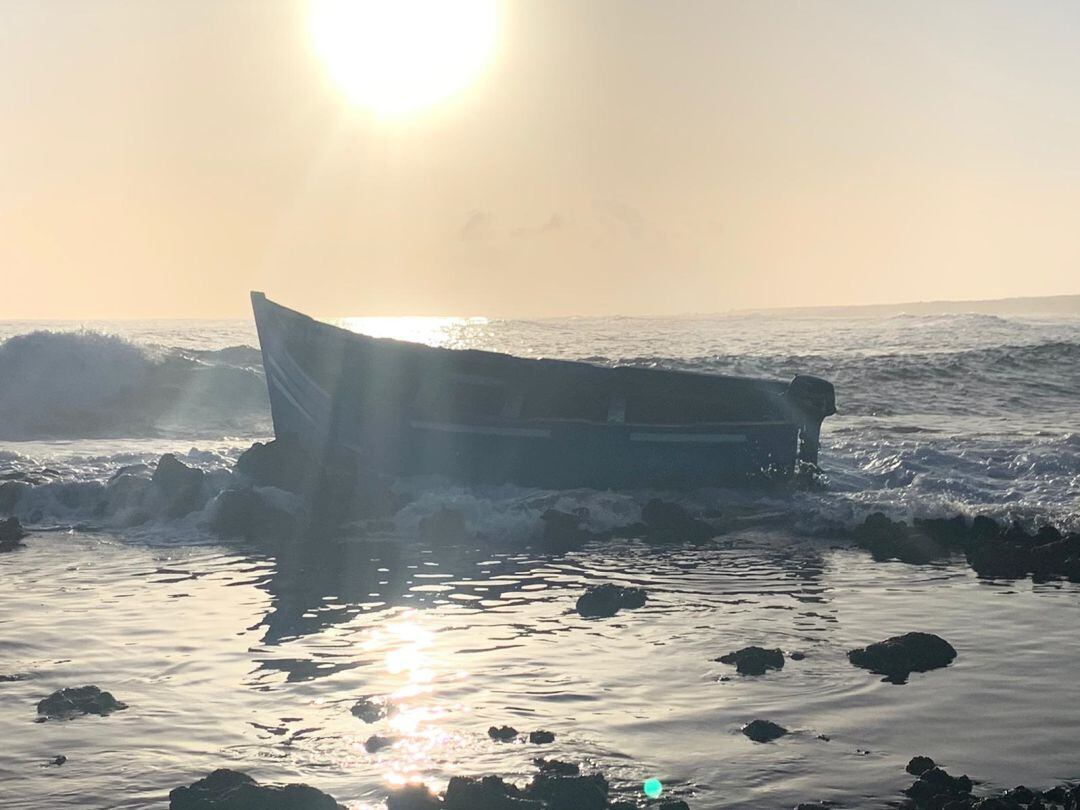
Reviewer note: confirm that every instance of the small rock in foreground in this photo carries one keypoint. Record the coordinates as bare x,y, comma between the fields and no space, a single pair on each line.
376,743
754,660
503,733
368,710
608,599
64,704
763,731
226,789
541,737
412,797
899,656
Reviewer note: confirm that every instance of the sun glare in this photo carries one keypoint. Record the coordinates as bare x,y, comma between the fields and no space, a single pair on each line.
397,56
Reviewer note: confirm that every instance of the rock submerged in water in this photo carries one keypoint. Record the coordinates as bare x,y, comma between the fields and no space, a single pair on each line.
368,710
503,733
11,534
248,514
65,704
608,599
763,731
887,539
226,789
754,660
899,656
541,737
563,532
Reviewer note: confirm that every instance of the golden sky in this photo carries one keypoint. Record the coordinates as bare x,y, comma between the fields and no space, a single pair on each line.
613,156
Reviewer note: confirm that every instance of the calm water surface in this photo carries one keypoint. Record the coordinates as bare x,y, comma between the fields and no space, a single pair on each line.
251,660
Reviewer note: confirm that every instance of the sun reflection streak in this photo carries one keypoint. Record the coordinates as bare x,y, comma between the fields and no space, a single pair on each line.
415,725
429,330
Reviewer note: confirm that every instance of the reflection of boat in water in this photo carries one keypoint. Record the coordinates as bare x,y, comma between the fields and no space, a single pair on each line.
409,409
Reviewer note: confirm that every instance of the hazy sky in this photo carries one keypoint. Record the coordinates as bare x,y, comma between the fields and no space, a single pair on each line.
163,157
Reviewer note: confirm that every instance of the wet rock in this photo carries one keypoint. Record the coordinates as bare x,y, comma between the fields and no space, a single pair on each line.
445,526
281,463
797,656
246,513
541,737
951,532
570,792
226,789
368,710
376,743
56,761
919,765
10,493
488,793
503,733
887,540
608,599
555,767
899,656
11,534
668,522
763,731
813,806
563,532
999,559
674,804
126,498
754,660
1021,795
65,704
936,786
412,797
179,488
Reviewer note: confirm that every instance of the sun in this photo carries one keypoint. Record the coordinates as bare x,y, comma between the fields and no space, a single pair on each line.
397,56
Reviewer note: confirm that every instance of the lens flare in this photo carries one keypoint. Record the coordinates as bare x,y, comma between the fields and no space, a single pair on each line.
653,788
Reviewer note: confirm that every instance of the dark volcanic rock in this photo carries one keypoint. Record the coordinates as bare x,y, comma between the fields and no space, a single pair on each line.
11,534
368,710
488,793
608,599
231,790
1000,559
936,786
178,487
886,539
668,522
570,792
899,656
555,767
763,731
376,743
412,797
754,660
503,733
541,737
64,704
10,493
673,804
246,513
919,765
563,532
280,463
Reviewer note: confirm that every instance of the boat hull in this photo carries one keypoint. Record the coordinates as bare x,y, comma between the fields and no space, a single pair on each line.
481,417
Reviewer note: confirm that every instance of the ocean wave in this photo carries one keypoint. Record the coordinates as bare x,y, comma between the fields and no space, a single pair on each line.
87,384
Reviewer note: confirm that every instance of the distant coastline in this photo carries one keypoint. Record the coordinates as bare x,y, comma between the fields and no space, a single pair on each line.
1034,305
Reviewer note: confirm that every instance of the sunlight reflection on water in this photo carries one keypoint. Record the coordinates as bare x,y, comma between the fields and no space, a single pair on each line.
429,330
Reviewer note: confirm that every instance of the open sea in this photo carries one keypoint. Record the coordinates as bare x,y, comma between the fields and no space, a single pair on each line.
239,655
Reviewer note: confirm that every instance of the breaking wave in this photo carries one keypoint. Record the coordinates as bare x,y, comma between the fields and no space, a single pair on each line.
65,385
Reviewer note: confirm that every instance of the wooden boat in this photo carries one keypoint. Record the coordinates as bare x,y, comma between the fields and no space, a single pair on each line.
408,409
